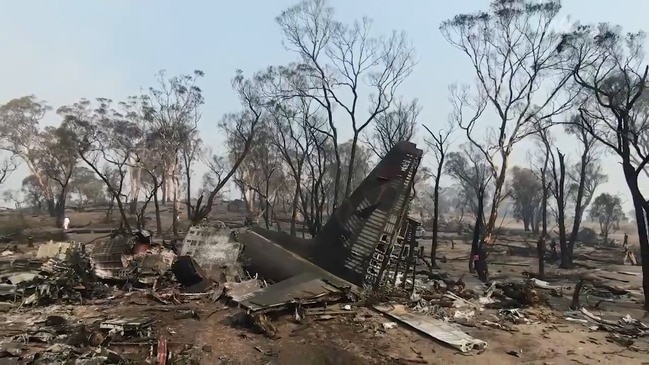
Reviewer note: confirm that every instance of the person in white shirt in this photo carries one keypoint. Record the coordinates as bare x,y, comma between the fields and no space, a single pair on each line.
66,223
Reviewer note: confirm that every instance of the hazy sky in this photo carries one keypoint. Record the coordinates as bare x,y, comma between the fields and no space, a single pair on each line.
67,49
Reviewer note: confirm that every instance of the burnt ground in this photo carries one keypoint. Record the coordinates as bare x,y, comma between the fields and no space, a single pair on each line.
218,335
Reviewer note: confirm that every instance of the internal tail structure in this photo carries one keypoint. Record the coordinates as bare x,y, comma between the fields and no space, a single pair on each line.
369,240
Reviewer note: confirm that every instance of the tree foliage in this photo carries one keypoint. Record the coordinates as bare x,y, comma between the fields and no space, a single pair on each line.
607,211
526,192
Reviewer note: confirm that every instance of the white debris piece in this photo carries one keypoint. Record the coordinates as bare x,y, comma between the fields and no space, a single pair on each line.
463,315
389,325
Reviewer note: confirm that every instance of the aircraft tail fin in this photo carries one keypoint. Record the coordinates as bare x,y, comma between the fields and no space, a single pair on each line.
359,238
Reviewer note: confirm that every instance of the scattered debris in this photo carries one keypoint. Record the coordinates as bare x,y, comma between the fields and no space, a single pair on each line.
308,280
435,328
190,274
55,250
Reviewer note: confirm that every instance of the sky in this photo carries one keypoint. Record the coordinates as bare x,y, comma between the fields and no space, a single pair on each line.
65,50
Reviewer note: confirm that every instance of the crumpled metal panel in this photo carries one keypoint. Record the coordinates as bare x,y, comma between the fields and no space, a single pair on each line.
239,291
303,288
57,250
138,325
112,259
214,249
106,258
433,327
211,245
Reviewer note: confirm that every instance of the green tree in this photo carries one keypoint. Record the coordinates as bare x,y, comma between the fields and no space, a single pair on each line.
20,137
607,210
58,161
105,140
527,192
87,187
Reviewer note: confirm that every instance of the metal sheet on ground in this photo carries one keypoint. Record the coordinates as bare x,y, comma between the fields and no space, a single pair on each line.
433,327
303,287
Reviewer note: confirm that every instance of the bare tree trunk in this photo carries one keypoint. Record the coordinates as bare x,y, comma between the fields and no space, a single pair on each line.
122,212
534,222
60,213
435,233
643,237
175,206
51,207
478,250
350,168
136,178
566,257
477,228
158,220
164,187
249,200
497,195
132,206
641,208
109,211
574,305
579,209
61,204
544,221
540,250
537,224
171,189
188,191
296,197
267,212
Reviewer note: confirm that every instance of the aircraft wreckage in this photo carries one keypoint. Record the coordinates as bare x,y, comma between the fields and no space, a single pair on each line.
367,243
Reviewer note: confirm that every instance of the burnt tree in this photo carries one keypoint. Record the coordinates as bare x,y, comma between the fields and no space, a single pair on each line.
609,66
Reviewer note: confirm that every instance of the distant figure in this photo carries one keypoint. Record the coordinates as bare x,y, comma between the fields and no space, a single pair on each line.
554,255
66,223
480,262
629,256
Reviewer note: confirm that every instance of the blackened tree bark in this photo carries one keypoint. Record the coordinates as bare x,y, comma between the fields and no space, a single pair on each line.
559,191
240,129
557,167
544,212
608,65
439,144
586,176
472,173
512,49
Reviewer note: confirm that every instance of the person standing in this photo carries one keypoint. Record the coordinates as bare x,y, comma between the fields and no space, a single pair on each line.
66,223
